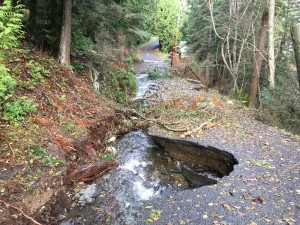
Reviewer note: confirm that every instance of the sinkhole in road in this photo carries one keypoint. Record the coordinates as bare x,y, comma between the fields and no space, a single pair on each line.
154,165
150,166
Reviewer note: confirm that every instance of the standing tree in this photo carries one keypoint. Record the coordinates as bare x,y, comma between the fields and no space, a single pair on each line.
271,44
65,36
258,57
295,32
208,57
166,21
234,36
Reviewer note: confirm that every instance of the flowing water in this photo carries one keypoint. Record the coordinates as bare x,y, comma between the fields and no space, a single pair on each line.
144,84
143,174
145,171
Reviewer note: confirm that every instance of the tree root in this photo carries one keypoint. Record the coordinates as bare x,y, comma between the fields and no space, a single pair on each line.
21,211
173,129
201,126
109,210
163,124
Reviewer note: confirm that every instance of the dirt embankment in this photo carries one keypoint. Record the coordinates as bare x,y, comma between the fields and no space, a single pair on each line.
70,127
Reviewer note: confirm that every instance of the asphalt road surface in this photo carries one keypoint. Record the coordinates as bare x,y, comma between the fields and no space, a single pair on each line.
148,53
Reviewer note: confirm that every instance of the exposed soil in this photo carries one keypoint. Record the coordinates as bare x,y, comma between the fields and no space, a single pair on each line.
72,123
201,158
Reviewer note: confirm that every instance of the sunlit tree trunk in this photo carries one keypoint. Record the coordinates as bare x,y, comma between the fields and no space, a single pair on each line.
65,36
295,32
271,44
258,58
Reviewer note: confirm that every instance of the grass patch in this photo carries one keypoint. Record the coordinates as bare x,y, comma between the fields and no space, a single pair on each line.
163,55
71,127
157,74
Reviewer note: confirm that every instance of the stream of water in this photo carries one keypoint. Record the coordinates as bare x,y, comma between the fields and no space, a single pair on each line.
145,171
144,84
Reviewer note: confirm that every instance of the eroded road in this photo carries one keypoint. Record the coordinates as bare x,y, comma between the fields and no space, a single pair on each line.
263,188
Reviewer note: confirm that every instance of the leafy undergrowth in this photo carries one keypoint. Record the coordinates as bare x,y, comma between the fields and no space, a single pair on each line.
51,121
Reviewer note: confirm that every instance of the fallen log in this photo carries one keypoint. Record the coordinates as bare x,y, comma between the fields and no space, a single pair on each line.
89,172
197,82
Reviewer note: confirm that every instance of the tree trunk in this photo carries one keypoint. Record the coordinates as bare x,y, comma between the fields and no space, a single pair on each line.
295,32
258,58
65,36
271,44
208,57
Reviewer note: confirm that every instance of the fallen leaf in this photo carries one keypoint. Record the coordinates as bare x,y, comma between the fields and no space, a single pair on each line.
228,207
211,125
252,223
42,121
177,103
194,105
216,215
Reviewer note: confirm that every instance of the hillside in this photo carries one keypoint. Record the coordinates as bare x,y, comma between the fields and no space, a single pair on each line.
69,126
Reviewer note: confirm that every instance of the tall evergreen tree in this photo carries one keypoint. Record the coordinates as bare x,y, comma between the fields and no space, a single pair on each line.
166,22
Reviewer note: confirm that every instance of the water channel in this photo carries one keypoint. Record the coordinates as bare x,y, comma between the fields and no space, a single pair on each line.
146,171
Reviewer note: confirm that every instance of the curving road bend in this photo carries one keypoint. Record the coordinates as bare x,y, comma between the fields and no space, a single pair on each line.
148,53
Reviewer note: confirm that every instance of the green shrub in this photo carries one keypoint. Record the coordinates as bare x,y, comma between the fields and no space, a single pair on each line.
51,161
124,82
120,85
37,151
10,32
281,108
41,153
242,96
18,109
7,84
108,158
157,73
10,24
80,42
38,70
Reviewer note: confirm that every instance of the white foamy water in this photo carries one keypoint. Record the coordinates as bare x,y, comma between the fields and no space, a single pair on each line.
143,192
143,85
133,177
133,165
135,181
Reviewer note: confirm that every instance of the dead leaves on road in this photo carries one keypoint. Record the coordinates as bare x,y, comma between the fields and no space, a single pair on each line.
192,110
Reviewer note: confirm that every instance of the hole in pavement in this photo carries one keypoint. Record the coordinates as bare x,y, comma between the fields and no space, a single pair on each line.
151,165
198,164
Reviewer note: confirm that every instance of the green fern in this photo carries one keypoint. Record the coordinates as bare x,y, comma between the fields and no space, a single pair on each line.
10,24
7,84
